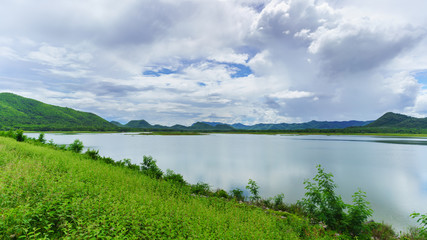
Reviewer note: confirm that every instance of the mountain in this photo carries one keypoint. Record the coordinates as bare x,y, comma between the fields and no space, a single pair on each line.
117,124
396,120
29,114
198,126
300,126
138,124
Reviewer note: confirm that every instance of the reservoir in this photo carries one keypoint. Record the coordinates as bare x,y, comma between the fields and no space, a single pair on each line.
392,171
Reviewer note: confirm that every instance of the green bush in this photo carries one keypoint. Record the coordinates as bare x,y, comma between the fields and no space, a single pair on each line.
200,188
41,138
237,194
221,193
358,213
323,205
149,167
253,188
93,154
19,135
422,220
76,146
174,177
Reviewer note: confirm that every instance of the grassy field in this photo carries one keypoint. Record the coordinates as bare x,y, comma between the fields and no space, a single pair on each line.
48,193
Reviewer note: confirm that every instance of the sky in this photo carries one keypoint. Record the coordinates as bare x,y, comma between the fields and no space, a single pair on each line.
231,61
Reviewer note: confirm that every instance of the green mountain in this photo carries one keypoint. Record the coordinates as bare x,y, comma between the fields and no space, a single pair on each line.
29,114
395,120
138,124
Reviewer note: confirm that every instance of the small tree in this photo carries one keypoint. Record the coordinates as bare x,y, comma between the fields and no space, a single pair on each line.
174,177
41,138
76,146
422,219
253,188
237,194
321,202
19,136
150,167
358,213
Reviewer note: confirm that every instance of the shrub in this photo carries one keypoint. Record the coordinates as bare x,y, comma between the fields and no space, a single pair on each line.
358,213
93,154
76,146
221,194
19,135
253,188
278,200
149,167
200,188
41,138
422,219
237,194
321,202
174,177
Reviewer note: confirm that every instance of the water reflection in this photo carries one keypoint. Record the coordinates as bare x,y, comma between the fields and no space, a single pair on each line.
391,170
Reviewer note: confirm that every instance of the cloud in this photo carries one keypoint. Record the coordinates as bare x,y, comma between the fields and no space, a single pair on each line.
233,61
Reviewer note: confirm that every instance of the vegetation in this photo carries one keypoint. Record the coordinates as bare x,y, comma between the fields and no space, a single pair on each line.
50,191
29,114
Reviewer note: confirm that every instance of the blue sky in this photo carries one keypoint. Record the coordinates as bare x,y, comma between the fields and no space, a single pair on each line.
248,61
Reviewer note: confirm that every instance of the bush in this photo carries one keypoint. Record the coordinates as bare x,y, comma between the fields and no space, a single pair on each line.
253,188
149,167
221,194
321,202
41,138
174,177
76,146
200,189
358,213
19,135
237,194
93,154
422,219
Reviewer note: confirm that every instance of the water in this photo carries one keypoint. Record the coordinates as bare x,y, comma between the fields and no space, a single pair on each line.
392,171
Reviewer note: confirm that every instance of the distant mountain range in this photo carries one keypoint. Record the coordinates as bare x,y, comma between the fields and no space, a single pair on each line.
28,114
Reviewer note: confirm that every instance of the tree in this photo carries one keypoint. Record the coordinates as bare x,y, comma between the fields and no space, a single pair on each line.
321,202
253,188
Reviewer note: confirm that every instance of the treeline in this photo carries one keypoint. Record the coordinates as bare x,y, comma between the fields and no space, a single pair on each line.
320,207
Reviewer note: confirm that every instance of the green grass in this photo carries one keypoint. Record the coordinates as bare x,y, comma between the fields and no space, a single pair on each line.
48,193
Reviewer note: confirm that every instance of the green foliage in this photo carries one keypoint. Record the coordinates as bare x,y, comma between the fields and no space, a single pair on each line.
29,114
237,194
150,168
253,188
358,213
20,135
221,193
322,203
422,220
41,138
93,154
76,146
174,177
200,188
278,200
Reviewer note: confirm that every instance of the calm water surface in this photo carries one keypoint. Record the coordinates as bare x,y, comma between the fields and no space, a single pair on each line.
392,171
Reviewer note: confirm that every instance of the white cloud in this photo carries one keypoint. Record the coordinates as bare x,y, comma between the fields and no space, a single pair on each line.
323,60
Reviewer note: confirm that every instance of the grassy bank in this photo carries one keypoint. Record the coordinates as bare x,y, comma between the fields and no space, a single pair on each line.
48,193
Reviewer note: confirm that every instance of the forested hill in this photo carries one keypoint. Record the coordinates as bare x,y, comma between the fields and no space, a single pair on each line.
395,120
28,114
